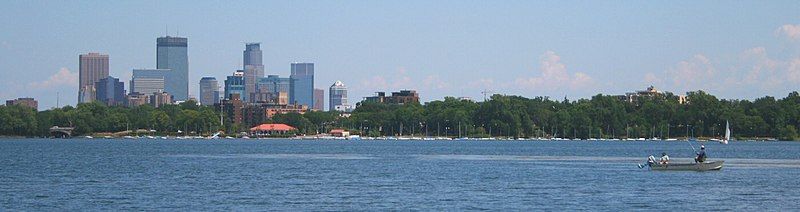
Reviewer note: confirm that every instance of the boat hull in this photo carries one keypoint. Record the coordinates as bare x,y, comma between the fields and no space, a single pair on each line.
705,166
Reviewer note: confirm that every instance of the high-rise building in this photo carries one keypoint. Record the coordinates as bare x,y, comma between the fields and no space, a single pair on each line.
27,102
338,97
110,91
253,69
274,84
270,88
149,81
319,100
171,54
234,85
302,84
209,91
92,68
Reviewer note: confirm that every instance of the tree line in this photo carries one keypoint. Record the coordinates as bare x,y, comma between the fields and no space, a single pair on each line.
601,116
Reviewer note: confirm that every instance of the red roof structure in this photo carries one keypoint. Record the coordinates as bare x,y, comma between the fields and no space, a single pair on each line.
273,127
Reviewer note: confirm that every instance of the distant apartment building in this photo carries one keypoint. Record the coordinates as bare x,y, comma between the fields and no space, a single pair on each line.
258,113
401,97
253,69
92,67
171,53
319,100
209,91
27,102
650,92
110,91
148,81
232,107
234,85
136,99
252,114
159,99
302,91
338,97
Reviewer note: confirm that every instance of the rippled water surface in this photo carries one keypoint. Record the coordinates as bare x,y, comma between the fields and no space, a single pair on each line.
76,174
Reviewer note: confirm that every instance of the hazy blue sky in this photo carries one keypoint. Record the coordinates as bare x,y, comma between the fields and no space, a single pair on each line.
733,49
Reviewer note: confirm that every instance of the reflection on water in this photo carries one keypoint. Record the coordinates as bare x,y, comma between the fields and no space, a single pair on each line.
729,162
279,156
284,175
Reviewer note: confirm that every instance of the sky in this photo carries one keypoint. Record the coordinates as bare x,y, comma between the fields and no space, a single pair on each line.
573,49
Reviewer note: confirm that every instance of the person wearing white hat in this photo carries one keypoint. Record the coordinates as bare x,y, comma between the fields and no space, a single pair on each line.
701,156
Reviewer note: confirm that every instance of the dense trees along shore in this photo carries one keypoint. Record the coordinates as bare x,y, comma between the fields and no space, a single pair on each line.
601,116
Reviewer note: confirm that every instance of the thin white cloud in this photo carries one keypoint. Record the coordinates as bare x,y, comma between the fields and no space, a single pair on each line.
761,67
651,79
790,31
694,73
793,73
399,80
433,81
554,75
62,78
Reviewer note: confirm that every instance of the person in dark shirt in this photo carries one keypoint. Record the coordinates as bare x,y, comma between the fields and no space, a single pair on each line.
701,156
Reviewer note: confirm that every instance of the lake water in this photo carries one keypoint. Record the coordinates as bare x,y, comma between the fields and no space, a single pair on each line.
78,175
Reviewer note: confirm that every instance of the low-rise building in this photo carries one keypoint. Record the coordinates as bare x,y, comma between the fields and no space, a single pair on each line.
340,133
27,102
136,99
271,130
401,97
160,98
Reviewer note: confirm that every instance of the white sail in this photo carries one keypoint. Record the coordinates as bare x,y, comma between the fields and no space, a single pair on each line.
727,133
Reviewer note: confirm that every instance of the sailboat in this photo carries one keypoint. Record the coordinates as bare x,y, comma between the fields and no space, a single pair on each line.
727,133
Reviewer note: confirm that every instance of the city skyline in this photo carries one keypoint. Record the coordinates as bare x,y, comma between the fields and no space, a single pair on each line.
738,50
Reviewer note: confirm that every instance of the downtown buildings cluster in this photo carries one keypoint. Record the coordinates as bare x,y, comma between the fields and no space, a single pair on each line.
247,93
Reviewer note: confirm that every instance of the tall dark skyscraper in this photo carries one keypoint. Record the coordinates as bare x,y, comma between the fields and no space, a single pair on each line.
253,68
171,54
92,68
303,84
110,91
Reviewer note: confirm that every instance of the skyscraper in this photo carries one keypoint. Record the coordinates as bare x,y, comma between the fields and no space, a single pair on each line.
253,68
92,68
338,97
171,54
209,91
149,81
319,99
303,84
234,84
110,91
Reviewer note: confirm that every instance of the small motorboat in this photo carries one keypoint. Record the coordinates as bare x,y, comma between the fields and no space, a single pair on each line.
704,166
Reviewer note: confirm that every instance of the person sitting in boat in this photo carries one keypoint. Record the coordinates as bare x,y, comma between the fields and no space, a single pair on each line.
664,158
701,156
651,160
